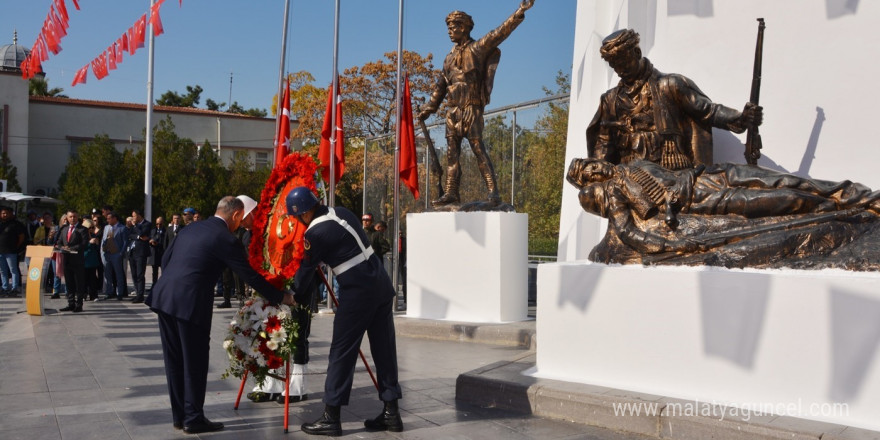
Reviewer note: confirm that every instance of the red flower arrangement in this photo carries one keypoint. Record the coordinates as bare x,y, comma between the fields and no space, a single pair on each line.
276,248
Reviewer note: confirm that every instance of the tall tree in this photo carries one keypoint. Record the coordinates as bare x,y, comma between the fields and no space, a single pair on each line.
244,179
9,172
173,99
40,87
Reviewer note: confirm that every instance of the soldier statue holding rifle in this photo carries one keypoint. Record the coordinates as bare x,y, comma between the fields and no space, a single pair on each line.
659,117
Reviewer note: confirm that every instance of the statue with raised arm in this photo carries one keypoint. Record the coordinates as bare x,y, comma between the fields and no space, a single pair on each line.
732,215
466,83
660,117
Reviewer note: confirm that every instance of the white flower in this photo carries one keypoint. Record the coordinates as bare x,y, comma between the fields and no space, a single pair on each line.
226,344
272,345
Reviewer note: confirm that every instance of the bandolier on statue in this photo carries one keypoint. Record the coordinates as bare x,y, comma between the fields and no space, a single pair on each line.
663,118
466,83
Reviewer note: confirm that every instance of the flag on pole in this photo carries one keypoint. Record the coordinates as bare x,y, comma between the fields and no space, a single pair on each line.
282,138
324,151
80,77
409,167
155,19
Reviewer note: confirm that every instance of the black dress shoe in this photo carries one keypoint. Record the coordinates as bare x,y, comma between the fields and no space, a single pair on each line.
388,420
67,309
328,424
78,309
225,305
137,300
177,425
293,399
205,426
55,296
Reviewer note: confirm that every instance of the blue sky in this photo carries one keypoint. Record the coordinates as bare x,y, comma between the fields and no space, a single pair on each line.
205,40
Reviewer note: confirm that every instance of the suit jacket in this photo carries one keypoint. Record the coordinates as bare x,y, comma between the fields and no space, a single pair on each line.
157,250
78,241
170,234
191,267
139,248
120,237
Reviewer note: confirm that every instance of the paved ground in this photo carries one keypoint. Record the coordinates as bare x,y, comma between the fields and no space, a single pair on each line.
99,375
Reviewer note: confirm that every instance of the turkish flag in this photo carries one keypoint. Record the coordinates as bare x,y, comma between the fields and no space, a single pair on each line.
282,138
409,167
76,4
324,151
62,9
155,20
80,77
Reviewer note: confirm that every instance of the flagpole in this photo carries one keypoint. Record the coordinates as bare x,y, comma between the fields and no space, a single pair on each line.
335,93
148,141
395,253
278,108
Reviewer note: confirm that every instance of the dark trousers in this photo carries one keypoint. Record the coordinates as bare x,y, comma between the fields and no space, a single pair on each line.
353,318
232,283
93,282
185,347
114,278
156,269
138,274
74,279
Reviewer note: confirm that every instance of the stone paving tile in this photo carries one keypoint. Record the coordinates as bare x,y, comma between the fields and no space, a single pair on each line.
100,375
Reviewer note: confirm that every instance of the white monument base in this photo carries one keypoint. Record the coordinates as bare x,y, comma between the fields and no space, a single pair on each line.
467,266
797,343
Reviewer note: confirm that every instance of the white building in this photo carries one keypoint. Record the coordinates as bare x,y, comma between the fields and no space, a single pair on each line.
41,133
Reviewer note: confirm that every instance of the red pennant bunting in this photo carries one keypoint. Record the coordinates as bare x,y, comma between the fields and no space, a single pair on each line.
111,57
76,4
80,77
155,20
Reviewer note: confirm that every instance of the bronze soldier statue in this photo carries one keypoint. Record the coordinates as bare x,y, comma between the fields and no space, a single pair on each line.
630,195
466,83
663,118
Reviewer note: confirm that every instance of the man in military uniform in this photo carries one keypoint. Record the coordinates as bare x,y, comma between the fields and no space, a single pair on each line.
663,118
334,238
466,83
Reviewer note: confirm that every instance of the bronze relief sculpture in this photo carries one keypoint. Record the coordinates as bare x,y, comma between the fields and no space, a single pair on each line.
664,118
650,173
466,84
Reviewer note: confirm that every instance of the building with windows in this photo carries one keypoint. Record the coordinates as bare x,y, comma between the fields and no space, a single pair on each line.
41,133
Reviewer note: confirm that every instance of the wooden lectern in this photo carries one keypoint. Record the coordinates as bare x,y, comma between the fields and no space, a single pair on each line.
34,299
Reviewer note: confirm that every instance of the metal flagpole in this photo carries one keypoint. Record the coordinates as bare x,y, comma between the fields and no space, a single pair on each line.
335,94
148,142
395,248
280,81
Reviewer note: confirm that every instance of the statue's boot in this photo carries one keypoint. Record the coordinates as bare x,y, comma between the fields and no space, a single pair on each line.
450,196
489,176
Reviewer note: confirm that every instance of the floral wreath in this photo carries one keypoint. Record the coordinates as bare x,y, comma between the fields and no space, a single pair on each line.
262,336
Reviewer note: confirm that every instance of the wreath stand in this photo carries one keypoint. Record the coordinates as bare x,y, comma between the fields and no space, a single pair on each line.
286,378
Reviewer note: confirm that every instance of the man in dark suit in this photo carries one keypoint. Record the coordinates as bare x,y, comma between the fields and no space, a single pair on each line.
139,252
184,298
72,241
157,247
334,238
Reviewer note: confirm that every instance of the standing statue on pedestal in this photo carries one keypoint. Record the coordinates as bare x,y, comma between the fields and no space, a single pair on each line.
466,83
663,118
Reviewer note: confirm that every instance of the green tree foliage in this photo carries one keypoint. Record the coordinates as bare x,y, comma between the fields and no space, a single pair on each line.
97,175
173,99
40,87
9,172
244,179
544,172
235,107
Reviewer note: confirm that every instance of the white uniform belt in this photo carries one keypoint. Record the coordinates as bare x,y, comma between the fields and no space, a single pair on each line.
366,251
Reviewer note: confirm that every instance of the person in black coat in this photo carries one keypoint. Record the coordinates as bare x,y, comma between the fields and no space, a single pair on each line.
183,297
334,238
72,241
139,252
157,247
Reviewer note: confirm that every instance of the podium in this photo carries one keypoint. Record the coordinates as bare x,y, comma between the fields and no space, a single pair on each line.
33,297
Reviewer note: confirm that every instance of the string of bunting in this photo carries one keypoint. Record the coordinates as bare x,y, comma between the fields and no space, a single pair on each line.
130,41
49,40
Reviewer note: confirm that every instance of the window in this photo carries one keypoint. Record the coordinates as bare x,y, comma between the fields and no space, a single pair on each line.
261,160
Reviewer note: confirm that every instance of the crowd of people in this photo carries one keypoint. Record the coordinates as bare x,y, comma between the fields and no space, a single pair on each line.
94,253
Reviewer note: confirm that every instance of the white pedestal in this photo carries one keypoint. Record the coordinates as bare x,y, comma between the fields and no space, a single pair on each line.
798,343
467,266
